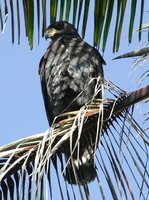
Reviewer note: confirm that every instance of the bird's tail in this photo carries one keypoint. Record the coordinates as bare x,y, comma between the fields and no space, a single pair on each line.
81,173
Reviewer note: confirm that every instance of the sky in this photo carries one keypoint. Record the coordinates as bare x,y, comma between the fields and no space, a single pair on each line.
21,106
22,111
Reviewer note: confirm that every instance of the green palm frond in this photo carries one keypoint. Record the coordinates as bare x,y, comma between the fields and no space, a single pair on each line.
37,14
123,146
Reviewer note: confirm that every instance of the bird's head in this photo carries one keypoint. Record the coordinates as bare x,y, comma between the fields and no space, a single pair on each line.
58,29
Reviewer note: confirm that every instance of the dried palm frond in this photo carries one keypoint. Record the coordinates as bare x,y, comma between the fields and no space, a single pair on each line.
120,149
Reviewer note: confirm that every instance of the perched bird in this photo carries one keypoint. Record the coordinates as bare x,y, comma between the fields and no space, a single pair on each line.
68,72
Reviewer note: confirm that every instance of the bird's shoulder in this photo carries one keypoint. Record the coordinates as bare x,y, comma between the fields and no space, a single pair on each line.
77,47
69,49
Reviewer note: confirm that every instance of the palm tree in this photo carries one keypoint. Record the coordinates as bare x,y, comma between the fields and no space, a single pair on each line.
121,158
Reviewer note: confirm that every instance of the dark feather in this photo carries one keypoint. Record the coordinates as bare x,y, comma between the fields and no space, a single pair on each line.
69,70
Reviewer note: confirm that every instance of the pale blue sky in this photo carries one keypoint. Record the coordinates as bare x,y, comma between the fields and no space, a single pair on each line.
21,106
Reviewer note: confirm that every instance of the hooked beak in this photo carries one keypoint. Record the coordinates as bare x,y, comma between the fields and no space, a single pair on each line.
46,35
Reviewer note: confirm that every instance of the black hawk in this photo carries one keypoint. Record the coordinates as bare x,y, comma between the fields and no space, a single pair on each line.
69,70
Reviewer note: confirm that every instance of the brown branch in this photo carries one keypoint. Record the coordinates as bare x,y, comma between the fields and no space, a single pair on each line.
123,103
